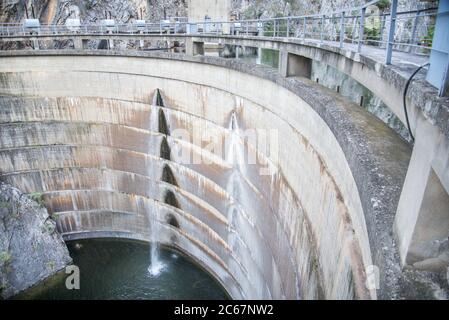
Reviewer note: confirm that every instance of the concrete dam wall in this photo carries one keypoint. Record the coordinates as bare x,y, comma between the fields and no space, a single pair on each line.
116,143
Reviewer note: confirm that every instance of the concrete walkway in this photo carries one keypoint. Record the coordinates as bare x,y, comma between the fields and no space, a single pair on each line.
407,62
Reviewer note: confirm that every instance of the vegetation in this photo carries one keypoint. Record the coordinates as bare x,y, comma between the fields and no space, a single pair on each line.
38,198
383,4
5,204
428,38
5,257
51,265
48,227
270,57
372,35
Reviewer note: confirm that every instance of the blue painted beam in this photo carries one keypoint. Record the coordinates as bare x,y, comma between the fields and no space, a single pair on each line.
438,74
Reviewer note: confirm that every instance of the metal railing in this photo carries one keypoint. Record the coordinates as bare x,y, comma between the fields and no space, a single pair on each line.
352,28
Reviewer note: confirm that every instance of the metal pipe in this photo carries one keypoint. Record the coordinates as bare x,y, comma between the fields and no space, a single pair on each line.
322,29
361,30
415,24
391,31
382,27
342,29
304,28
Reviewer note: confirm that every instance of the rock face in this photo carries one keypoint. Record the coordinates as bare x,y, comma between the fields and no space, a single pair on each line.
30,248
123,11
91,11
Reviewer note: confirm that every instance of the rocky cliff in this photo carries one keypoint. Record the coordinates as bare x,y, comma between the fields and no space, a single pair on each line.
30,248
89,11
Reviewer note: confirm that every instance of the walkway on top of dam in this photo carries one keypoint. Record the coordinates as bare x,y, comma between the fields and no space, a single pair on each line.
403,62
385,36
345,59
407,62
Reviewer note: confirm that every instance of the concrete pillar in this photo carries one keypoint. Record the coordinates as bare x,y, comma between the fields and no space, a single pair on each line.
169,45
189,47
259,56
194,48
293,65
422,217
78,43
36,44
141,42
111,44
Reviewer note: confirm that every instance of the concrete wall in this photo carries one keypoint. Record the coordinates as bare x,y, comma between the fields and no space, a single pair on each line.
84,130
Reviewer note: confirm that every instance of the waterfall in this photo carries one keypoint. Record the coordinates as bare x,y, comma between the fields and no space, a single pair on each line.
157,124
156,264
235,150
154,118
234,156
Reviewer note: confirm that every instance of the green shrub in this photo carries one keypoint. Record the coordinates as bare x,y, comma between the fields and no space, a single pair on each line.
5,257
38,198
5,204
372,35
383,4
51,265
428,38
48,227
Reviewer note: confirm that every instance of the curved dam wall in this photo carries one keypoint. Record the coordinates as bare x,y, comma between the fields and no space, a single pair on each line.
119,144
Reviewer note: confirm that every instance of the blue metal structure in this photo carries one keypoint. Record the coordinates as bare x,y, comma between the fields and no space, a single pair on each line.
438,74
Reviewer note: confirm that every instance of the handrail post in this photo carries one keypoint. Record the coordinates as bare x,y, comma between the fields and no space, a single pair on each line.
361,30
274,28
288,27
322,29
304,28
342,29
415,24
391,31
381,31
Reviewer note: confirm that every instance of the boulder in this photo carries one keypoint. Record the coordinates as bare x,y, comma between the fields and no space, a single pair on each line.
31,249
